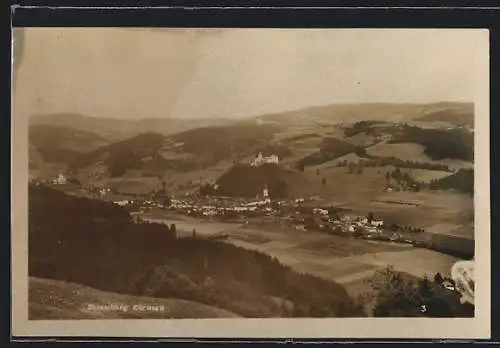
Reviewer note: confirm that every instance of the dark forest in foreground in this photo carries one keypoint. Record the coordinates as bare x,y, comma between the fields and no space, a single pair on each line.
94,243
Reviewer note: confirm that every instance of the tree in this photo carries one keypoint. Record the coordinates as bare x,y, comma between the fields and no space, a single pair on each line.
438,279
167,201
370,217
425,288
395,297
407,178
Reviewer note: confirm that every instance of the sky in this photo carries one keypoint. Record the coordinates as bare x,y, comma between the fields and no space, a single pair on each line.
234,73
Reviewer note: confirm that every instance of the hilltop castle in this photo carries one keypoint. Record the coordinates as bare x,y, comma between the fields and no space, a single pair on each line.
260,160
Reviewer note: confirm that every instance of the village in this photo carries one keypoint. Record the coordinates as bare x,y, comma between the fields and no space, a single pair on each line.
300,213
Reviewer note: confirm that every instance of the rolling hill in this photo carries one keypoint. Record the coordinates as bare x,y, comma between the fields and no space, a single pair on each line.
455,143
385,112
152,153
458,115
120,129
139,152
56,144
247,181
461,181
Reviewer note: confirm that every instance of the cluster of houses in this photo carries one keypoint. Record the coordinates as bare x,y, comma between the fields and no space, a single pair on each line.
222,206
59,180
353,224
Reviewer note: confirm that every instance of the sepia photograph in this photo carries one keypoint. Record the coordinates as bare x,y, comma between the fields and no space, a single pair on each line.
285,175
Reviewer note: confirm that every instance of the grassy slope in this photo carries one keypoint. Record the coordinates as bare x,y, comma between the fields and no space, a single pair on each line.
54,299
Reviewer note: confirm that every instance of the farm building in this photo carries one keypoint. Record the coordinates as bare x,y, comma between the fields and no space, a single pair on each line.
260,160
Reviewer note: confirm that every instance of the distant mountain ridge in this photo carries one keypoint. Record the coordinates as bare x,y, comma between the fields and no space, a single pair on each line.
119,129
377,112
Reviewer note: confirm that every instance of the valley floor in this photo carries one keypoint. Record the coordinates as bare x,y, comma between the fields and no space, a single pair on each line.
343,260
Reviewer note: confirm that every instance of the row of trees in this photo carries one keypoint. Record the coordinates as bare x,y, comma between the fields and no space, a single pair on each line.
374,161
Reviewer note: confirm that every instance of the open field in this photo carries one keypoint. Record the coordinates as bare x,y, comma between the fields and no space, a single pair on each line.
53,299
403,151
414,152
425,175
425,208
434,208
142,185
340,185
350,157
343,260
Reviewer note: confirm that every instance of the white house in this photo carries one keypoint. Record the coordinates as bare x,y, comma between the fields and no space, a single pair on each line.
60,180
320,211
377,223
260,160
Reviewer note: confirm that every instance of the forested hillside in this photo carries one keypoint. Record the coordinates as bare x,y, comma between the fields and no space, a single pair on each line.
94,243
